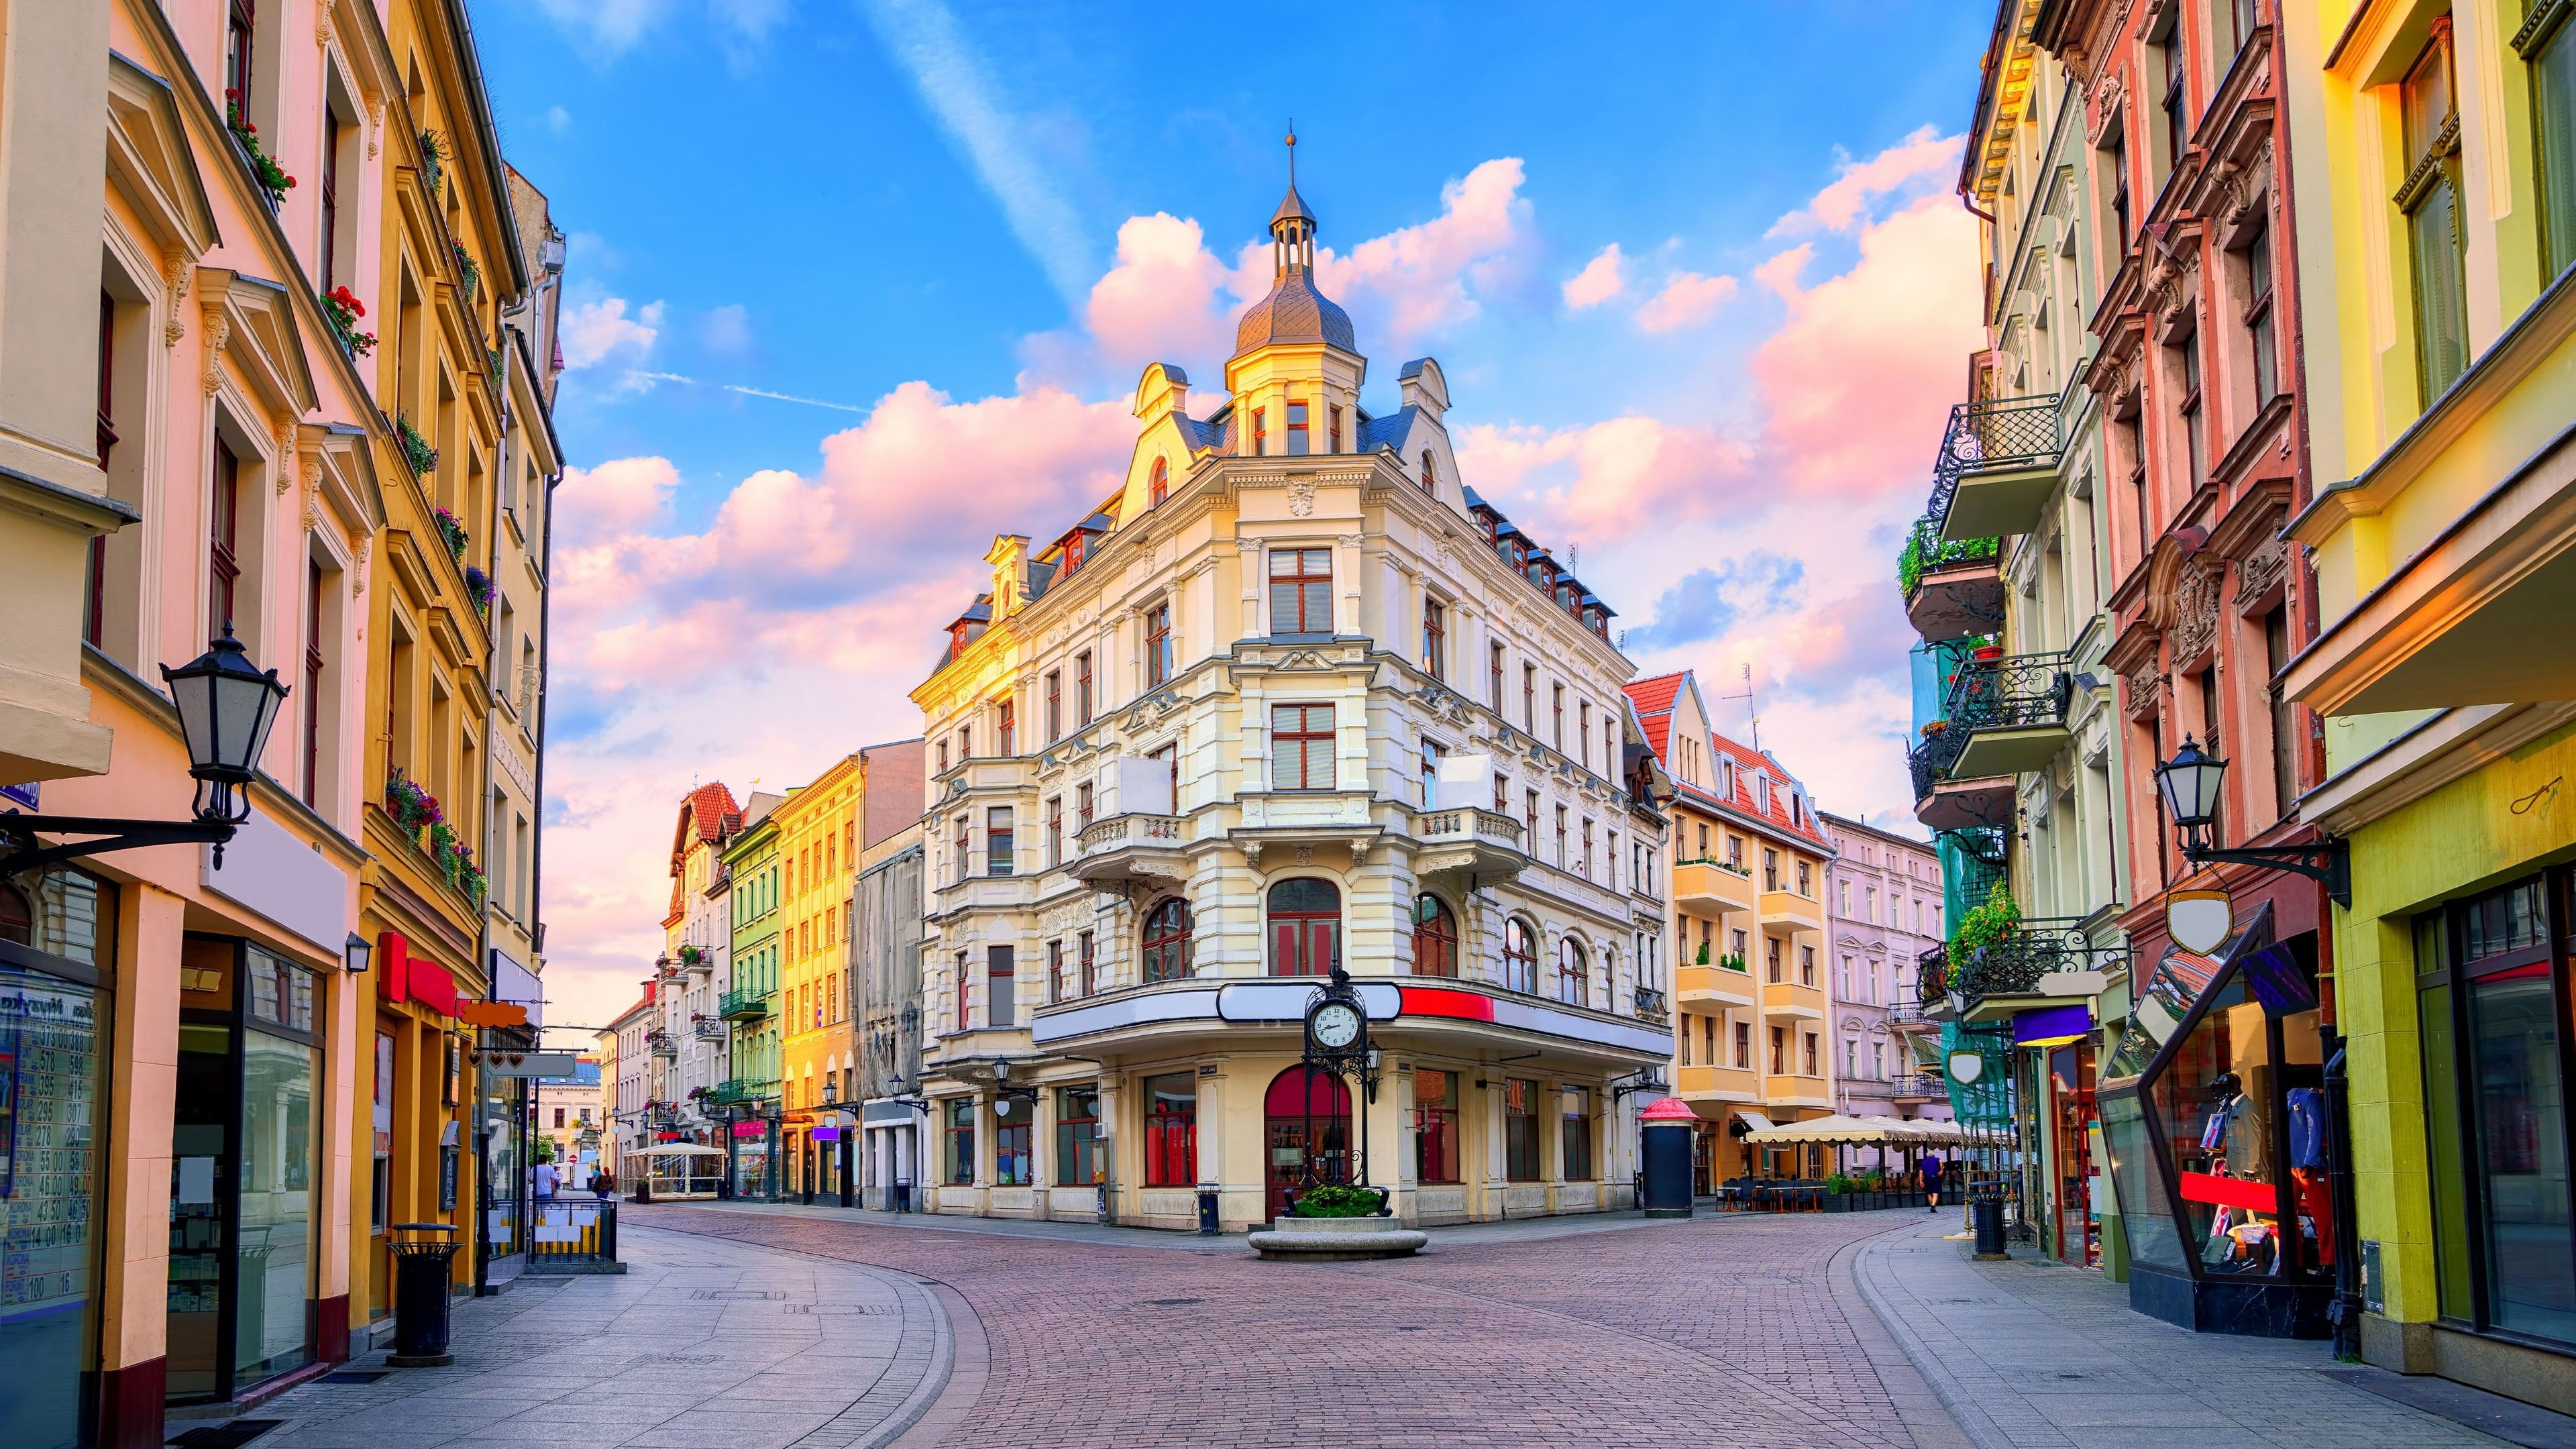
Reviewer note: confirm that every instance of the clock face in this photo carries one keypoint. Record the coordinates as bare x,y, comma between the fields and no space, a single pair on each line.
1335,1024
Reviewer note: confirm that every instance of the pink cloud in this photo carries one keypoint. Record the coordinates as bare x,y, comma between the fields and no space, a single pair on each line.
1600,280
1924,156
1861,372
1687,300
1158,302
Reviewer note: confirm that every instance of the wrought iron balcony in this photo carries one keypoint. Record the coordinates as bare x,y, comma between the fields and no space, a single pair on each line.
1920,1087
1953,587
709,1030
741,1091
1997,466
662,1044
742,1003
2014,965
2010,713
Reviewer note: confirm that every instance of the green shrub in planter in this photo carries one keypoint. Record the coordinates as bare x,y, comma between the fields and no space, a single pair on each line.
1336,1200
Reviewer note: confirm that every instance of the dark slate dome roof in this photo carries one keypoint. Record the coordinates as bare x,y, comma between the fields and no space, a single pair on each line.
1295,312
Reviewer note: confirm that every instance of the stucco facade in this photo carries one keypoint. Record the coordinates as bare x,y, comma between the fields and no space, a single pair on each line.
1287,700
1882,912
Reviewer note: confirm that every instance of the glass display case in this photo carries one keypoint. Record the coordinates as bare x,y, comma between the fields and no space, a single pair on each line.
2213,1117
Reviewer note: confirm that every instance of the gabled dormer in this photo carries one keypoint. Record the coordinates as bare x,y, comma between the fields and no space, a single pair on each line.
1009,558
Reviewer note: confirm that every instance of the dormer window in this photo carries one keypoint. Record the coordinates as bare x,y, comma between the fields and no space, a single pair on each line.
1073,552
956,641
1296,430
1158,484
1429,480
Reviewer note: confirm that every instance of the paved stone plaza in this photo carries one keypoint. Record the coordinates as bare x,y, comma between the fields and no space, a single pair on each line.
758,1328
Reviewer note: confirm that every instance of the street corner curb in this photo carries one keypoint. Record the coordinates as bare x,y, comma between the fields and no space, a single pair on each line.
1934,1405
947,1396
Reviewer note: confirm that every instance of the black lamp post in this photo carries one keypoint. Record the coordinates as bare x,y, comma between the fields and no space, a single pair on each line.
226,707
2189,783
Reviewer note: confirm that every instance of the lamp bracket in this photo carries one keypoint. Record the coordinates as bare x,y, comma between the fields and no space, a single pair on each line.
21,852
2327,862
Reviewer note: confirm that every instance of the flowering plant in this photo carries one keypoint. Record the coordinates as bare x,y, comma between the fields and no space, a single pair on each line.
451,528
342,309
272,177
465,264
411,806
433,160
479,585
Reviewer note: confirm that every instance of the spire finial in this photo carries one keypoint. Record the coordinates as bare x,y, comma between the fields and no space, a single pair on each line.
1292,152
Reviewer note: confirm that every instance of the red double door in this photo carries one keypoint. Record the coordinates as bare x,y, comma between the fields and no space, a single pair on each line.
1299,1101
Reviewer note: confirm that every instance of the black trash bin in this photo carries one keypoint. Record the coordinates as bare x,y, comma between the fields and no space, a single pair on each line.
423,1255
1987,1215
1208,1224
903,1197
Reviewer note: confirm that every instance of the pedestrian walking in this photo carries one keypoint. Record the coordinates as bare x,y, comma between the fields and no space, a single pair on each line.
1932,1182
545,1182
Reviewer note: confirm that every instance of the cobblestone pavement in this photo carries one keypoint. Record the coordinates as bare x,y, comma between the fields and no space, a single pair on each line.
1714,1331
2030,1355
698,1345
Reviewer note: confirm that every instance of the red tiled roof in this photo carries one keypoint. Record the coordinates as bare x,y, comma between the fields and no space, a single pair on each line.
714,810
1654,699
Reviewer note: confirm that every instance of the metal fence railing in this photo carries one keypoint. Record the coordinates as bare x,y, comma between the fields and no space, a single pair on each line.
571,1234
1998,433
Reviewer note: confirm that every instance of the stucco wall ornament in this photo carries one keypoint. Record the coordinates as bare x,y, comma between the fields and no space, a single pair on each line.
219,330
2260,570
1301,498
2195,614
175,271
2146,689
312,492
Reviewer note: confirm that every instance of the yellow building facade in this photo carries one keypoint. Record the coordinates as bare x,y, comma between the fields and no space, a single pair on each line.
818,854
2435,163
1751,986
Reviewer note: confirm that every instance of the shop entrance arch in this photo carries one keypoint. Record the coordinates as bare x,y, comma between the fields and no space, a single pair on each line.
1298,1096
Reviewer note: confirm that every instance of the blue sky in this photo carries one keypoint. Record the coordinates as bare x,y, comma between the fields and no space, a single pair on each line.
966,226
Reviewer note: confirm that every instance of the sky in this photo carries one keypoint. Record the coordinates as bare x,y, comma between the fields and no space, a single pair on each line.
856,285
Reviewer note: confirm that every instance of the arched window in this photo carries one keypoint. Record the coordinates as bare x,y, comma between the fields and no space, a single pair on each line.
1158,484
1429,481
1435,937
1167,941
1520,958
1573,981
1305,927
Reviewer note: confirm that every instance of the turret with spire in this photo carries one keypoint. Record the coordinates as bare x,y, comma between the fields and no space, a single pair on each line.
1294,312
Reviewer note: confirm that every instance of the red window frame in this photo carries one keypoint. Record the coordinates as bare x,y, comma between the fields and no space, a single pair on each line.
1007,724
1082,689
1305,922
1435,639
1333,429
223,560
1167,941
1435,1126
1055,830
1520,958
1301,747
1090,961
1435,937
1260,432
1301,591
960,1133
241,49
1055,971
1158,484
1171,1131
1573,973
1296,429
312,680
1494,671
1158,645
1054,705
998,835
1521,1155
1082,803
1430,480
330,198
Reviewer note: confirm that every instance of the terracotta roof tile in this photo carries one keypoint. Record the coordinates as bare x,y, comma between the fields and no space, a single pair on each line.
1654,699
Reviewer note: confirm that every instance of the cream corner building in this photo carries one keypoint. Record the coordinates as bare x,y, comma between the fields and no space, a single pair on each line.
1292,698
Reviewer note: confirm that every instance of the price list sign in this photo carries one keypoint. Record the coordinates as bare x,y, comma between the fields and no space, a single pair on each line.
49,1045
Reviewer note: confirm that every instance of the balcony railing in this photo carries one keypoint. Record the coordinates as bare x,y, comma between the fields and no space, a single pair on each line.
1931,760
1924,1085
742,1003
1469,823
2001,433
2014,965
662,1043
2014,691
1926,551
1163,831
741,1091
709,1030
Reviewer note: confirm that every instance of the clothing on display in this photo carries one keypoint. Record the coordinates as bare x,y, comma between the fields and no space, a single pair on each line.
2306,1110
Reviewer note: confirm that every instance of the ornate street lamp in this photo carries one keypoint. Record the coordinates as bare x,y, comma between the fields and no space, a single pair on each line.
2189,783
226,707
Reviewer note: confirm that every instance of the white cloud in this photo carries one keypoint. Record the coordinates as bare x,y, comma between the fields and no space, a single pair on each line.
599,331
558,120
1601,279
603,30
1687,300
954,82
726,329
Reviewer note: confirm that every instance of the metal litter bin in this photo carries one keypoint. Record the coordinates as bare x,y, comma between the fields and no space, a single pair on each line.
1208,1221
1986,1214
423,1256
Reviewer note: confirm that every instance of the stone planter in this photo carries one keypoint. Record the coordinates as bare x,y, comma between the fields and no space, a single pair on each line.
1337,1240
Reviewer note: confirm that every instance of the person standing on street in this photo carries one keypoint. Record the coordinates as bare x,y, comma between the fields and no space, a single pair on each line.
545,1182
1932,1183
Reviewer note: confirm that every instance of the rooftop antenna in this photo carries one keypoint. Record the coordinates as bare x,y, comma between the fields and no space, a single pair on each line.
1753,715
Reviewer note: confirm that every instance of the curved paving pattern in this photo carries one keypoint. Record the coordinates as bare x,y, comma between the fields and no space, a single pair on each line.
1721,1331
